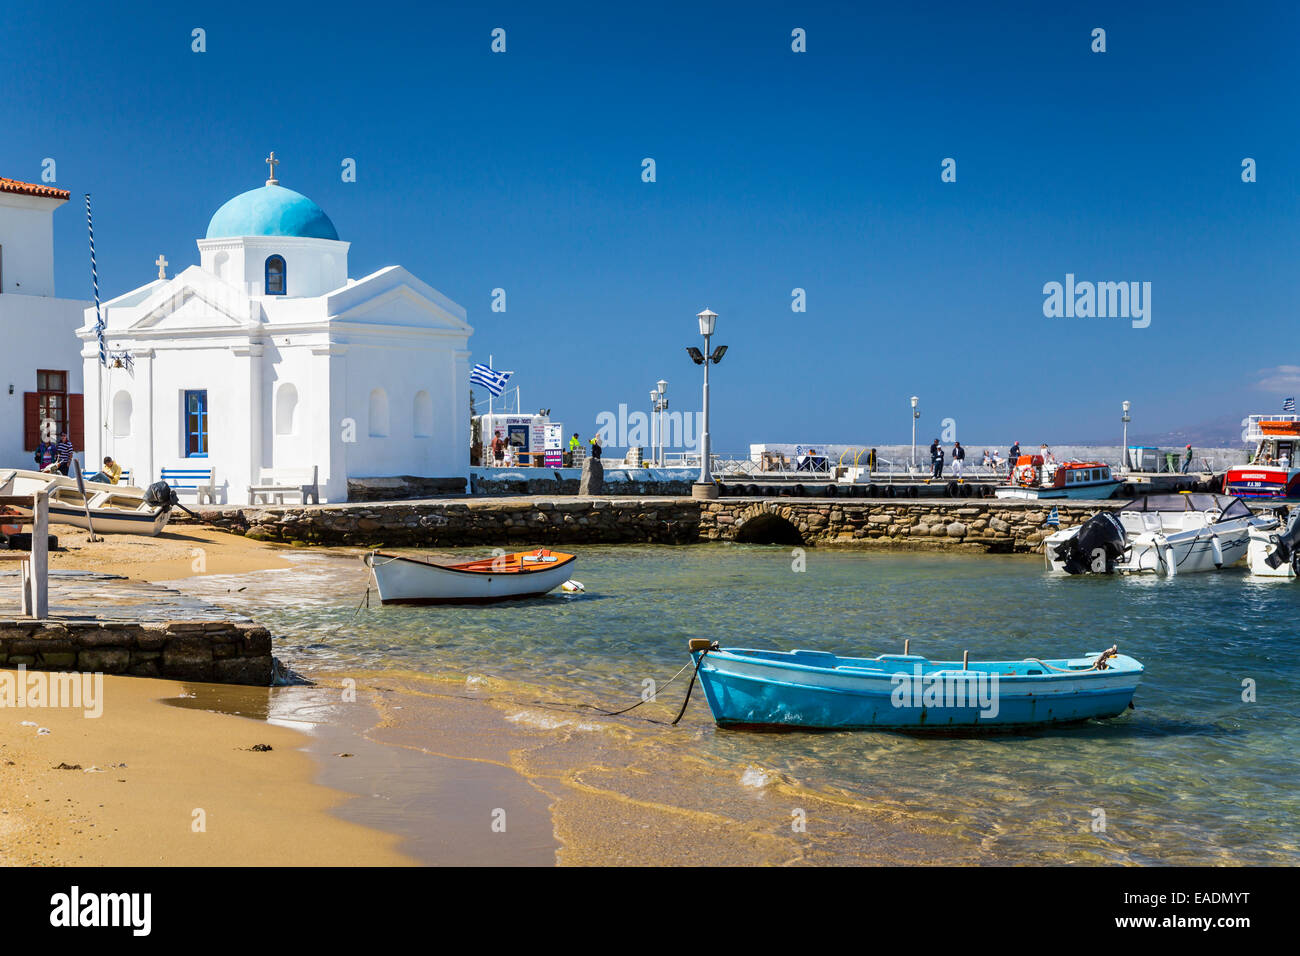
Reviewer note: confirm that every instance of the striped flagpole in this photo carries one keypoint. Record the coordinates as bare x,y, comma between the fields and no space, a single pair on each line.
94,281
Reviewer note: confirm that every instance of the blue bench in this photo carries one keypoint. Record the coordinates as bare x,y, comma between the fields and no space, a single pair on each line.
202,481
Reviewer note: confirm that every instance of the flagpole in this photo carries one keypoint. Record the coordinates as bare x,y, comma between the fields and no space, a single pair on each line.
99,334
490,392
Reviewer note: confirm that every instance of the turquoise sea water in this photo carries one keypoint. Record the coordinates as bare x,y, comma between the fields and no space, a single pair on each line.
1193,775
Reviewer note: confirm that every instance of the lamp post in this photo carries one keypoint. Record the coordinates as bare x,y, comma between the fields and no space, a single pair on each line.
915,416
1123,452
654,413
661,408
705,487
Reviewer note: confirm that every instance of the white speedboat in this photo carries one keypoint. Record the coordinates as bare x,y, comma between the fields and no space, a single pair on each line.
402,579
113,509
1157,534
1274,552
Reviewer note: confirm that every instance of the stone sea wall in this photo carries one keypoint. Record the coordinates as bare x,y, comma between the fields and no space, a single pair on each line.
525,521
974,524
223,652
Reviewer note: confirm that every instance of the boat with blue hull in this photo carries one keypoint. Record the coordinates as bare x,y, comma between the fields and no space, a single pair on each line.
815,690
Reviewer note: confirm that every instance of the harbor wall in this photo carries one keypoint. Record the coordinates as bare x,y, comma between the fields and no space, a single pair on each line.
222,652
994,525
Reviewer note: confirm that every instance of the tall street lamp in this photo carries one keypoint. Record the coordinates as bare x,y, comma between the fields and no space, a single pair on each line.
704,487
654,413
915,416
1123,452
662,406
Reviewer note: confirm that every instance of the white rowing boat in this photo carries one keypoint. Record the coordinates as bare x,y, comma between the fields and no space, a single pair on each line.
114,509
403,579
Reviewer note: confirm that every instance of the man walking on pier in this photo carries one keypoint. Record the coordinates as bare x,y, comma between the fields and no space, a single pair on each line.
958,459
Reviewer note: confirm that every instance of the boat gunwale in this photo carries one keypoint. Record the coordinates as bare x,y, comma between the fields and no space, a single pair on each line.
1122,665
464,568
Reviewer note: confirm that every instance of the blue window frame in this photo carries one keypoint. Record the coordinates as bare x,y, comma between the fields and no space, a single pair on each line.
196,424
275,277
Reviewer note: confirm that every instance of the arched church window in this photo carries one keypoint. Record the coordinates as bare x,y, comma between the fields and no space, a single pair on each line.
378,413
423,415
122,414
286,408
275,281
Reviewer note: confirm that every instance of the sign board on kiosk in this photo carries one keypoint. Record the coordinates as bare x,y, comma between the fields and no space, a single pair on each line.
527,436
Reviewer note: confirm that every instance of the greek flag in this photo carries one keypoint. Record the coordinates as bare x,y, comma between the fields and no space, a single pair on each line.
1054,518
1288,404
489,378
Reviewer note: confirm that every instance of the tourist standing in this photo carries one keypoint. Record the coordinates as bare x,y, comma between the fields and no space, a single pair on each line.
938,459
595,447
958,459
1187,465
498,448
1012,457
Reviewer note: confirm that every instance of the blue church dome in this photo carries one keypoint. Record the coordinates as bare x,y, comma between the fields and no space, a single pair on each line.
271,210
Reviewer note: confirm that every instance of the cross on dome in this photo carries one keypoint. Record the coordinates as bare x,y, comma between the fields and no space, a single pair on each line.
271,163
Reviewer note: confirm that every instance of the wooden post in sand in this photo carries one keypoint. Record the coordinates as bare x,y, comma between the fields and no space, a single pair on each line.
39,601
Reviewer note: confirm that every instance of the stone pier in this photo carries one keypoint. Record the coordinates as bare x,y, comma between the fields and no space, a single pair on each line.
992,525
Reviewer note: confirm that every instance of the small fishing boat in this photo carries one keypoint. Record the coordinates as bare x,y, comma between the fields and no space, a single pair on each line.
1157,534
1034,479
404,579
113,509
814,690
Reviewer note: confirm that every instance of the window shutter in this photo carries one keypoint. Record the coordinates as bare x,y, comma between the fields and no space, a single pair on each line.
31,420
77,421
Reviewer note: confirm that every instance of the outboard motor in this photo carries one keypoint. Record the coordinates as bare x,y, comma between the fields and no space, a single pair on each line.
1286,546
160,495
1098,545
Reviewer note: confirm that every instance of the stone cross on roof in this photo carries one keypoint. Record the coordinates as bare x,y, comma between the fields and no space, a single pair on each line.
271,163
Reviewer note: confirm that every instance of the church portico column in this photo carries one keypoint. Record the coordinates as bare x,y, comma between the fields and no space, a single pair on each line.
249,405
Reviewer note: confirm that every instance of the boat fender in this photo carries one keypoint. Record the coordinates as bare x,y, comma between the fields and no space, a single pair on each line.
1217,548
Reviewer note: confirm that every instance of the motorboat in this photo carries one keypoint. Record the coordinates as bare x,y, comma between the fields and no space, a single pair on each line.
1157,534
407,579
1273,471
815,690
1274,552
1033,478
110,509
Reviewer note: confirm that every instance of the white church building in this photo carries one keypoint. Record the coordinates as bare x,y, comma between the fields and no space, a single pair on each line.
265,360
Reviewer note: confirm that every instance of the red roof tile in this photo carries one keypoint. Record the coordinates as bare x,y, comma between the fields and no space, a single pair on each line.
32,189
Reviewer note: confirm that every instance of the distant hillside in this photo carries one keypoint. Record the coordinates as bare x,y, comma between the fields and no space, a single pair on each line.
1224,432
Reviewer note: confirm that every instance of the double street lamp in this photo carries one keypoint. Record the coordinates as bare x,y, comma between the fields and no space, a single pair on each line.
658,405
705,487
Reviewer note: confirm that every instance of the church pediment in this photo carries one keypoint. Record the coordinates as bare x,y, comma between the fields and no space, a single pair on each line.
194,301
394,297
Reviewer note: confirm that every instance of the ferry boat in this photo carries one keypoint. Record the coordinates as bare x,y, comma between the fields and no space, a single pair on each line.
1032,478
1273,471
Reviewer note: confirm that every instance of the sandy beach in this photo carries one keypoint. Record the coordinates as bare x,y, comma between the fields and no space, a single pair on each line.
149,783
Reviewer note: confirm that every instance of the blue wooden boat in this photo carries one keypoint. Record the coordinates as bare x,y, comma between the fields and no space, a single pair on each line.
814,690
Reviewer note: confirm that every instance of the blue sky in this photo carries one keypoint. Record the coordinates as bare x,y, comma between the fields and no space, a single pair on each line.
775,170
